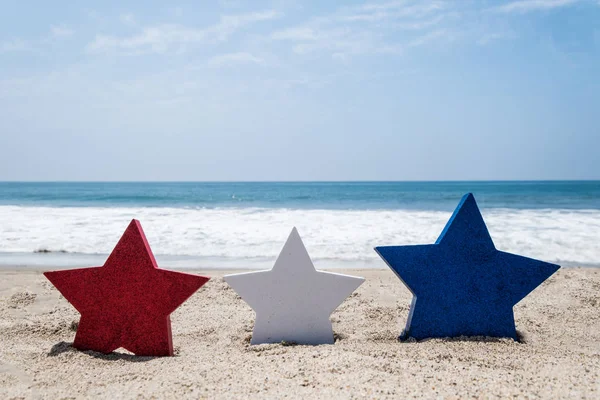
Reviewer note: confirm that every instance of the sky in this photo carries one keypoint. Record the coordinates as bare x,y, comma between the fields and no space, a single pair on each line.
289,90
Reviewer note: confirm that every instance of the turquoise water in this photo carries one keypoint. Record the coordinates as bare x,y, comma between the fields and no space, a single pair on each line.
244,225
306,195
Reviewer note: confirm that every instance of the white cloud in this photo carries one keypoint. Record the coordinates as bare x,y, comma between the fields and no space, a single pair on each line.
14,45
366,29
491,37
375,27
60,31
394,10
128,19
382,6
162,38
334,40
424,39
34,45
231,23
177,11
421,24
225,60
230,3
341,57
299,33
523,6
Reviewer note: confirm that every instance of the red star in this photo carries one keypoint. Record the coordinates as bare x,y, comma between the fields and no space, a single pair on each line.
126,303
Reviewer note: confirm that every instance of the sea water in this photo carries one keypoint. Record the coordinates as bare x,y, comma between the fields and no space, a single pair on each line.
244,225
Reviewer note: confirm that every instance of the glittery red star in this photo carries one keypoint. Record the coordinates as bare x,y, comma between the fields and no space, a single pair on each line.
126,303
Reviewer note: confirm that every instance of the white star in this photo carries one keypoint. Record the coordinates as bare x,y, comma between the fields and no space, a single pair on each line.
293,301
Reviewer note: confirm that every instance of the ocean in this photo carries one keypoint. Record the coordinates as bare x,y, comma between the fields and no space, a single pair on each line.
244,224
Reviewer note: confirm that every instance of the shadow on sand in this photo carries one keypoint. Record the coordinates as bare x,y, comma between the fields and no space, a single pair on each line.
65,347
521,338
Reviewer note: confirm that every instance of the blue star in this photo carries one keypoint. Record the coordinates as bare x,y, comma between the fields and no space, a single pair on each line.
462,285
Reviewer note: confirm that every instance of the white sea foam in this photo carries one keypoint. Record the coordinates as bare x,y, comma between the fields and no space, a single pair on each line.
236,236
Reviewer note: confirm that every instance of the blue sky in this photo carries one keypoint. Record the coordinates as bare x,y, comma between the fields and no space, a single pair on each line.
286,90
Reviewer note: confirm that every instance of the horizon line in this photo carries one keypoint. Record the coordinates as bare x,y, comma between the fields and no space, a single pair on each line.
305,181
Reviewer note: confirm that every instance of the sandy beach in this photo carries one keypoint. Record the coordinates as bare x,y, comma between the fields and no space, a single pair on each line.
559,356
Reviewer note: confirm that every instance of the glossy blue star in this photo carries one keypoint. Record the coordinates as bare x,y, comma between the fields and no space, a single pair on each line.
462,285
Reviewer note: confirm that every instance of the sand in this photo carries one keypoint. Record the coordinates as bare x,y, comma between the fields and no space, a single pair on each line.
559,357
